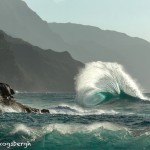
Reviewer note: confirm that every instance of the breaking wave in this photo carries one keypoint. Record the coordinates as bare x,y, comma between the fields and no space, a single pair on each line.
101,81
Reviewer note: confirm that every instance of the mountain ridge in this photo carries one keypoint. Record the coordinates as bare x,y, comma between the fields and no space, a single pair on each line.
84,43
31,68
18,20
88,43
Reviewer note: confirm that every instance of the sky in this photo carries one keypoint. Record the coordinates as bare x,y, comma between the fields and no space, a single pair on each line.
128,16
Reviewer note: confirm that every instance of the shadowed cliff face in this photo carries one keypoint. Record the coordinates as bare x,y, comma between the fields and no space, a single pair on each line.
29,68
9,71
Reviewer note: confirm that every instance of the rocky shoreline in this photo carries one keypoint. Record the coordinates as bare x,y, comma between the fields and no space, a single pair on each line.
12,104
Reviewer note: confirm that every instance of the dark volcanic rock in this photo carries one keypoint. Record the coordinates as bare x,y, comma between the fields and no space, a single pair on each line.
18,107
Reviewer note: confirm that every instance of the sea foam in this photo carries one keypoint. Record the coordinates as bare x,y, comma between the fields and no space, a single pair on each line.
99,81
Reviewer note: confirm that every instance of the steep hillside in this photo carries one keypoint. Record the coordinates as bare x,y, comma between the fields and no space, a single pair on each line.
29,68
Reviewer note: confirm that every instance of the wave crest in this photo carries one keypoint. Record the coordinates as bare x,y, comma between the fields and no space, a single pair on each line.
100,81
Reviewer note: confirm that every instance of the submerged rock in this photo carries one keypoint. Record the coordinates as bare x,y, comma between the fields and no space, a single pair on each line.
45,111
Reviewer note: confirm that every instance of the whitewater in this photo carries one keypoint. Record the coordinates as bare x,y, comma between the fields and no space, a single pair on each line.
100,81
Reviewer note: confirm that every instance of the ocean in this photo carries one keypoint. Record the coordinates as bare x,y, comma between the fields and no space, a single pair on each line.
121,124
108,111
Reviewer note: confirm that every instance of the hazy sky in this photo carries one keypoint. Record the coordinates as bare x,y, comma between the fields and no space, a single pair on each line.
128,16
